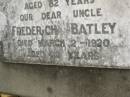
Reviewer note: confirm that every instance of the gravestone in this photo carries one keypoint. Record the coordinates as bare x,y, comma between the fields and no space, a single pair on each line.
83,33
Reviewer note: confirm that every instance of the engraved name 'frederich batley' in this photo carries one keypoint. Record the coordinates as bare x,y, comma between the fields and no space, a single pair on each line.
85,33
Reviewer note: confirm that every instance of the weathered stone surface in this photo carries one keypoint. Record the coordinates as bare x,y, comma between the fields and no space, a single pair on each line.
54,81
66,32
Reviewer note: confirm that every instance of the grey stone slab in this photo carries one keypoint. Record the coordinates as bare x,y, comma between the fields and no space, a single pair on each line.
53,81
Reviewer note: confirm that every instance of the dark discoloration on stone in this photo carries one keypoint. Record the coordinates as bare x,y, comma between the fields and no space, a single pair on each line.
50,90
1,51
